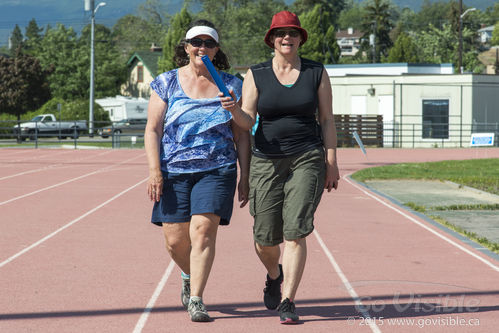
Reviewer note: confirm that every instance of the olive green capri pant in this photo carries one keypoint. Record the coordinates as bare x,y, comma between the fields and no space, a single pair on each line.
284,194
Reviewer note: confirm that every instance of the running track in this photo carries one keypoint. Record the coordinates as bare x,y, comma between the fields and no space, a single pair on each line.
77,254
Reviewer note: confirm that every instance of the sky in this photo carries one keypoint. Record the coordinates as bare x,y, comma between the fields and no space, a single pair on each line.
67,12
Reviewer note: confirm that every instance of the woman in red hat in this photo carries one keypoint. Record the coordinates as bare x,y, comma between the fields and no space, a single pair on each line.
293,160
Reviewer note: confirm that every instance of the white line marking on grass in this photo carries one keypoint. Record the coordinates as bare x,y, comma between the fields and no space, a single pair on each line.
67,181
32,246
150,305
348,286
410,218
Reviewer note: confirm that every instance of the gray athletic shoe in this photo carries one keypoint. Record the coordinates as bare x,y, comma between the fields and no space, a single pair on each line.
186,292
197,311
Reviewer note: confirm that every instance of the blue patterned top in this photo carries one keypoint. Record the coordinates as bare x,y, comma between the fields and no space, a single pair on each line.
196,134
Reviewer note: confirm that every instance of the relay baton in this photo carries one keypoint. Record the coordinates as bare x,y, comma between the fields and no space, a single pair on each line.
213,72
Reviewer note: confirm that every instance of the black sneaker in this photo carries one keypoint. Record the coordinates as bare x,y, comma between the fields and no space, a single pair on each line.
272,291
197,311
287,312
185,294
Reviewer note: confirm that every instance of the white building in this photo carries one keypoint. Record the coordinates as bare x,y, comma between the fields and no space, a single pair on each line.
121,107
485,34
419,110
348,41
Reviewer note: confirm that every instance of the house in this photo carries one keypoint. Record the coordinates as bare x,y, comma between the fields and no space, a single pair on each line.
121,107
142,69
420,109
485,34
348,41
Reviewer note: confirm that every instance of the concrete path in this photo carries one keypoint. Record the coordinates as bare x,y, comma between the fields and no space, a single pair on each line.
431,194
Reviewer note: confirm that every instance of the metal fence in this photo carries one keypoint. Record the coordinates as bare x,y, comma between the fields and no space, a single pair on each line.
36,137
371,129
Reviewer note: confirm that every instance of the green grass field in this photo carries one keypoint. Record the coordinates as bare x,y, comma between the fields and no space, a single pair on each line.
482,174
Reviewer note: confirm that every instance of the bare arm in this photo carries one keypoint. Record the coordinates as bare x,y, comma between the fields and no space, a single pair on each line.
328,126
244,116
152,138
242,141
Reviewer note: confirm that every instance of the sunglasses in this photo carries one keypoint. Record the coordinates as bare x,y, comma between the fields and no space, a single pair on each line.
281,33
197,42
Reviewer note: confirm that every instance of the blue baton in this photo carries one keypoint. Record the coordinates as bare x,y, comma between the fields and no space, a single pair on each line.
215,76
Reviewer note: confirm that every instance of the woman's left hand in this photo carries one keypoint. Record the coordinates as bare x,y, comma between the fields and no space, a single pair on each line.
332,176
228,103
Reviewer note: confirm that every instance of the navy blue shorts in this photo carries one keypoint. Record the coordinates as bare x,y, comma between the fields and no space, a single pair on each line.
203,192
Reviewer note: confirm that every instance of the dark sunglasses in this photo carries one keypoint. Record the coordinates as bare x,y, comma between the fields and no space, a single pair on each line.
281,33
197,42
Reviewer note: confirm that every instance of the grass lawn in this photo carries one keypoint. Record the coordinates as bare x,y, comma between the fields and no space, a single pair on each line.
482,174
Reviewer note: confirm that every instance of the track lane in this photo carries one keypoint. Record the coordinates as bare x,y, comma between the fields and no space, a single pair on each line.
101,273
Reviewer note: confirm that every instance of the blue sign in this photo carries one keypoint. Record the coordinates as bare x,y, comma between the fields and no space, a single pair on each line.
482,139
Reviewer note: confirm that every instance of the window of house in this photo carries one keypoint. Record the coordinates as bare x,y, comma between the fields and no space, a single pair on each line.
140,73
435,119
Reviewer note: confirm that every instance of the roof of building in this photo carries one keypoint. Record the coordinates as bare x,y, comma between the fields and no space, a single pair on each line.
148,58
487,29
388,69
346,34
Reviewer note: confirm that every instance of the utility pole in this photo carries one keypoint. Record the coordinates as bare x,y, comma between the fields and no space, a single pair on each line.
461,16
460,60
90,6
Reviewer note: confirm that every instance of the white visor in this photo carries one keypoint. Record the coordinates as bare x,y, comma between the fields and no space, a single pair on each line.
202,30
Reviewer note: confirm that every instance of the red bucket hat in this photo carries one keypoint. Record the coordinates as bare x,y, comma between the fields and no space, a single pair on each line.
285,19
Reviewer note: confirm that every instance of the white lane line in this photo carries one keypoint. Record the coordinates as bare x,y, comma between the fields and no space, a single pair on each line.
348,286
410,218
51,166
150,305
31,158
32,246
67,181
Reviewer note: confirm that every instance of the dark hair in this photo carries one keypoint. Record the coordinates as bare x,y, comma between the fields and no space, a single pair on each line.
181,58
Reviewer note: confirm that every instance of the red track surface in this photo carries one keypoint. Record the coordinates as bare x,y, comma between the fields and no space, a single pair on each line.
77,254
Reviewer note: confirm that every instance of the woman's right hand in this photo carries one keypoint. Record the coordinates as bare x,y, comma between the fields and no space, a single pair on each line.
155,186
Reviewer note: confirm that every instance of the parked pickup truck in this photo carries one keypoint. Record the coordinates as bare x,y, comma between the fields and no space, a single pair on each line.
47,125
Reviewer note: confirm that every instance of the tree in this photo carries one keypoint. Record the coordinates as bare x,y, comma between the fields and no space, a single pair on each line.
110,70
350,16
179,25
16,40
24,85
440,45
378,21
495,35
33,37
243,40
333,7
59,53
404,50
153,12
434,13
321,45
132,33
69,58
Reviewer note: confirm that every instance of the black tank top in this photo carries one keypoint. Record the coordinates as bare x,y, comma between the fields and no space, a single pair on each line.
287,124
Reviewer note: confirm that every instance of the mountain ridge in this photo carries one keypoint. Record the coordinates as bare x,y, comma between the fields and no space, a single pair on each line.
71,13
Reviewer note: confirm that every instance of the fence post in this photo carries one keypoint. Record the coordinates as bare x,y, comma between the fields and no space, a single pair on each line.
36,134
413,135
75,132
